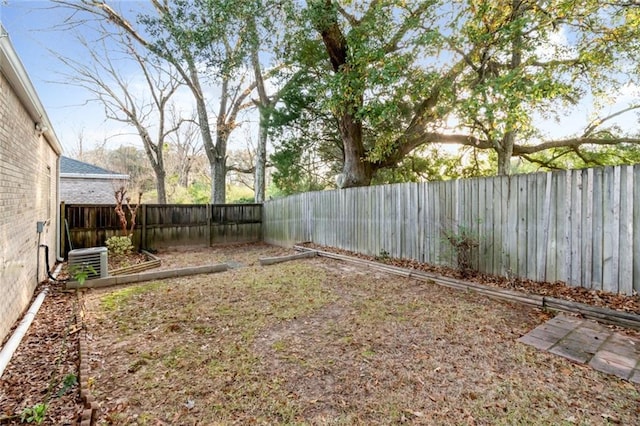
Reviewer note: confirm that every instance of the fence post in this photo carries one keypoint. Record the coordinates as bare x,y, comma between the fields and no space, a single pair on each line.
143,228
209,224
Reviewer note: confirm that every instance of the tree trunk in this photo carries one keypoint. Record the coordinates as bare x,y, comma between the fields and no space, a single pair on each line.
215,153
219,167
185,169
218,184
259,180
504,154
160,185
356,171
264,108
506,150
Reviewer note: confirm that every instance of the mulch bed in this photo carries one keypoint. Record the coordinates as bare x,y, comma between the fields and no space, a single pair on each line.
44,368
48,355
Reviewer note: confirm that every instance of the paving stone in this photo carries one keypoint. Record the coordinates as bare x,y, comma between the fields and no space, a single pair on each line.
571,351
594,325
537,343
619,340
607,366
600,334
549,332
617,358
588,342
565,321
627,350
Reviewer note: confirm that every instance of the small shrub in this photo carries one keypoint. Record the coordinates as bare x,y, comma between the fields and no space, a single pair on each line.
384,256
463,243
69,381
119,246
80,273
35,414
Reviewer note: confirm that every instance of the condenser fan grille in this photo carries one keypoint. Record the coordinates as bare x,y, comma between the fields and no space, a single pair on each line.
91,260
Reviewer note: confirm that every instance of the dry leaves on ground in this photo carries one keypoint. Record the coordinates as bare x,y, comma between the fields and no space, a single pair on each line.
44,368
315,341
318,341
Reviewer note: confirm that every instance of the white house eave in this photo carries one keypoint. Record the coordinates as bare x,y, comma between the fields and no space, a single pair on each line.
93,176
13,69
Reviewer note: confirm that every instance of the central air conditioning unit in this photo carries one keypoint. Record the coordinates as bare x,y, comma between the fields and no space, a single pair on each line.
92,260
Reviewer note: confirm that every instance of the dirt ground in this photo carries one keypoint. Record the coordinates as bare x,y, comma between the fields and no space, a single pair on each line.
313,341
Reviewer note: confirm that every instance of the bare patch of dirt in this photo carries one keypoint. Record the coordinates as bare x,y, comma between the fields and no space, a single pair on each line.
559,290
236,254
317,341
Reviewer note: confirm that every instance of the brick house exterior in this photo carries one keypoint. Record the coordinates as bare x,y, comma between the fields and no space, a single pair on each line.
29,166
84,183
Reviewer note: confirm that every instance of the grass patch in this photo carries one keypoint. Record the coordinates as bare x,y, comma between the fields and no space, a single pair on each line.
119,298
307,343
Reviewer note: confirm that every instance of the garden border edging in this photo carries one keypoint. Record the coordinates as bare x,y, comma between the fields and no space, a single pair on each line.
146,276
89,415
140,267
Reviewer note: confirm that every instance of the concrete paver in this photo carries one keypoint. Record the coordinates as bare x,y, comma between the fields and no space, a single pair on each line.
588,342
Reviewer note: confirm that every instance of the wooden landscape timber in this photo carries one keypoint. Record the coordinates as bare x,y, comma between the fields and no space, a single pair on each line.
264,261
147,276
153,262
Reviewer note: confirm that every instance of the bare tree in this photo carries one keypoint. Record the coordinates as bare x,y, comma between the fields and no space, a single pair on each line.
185,148
184,43
147,114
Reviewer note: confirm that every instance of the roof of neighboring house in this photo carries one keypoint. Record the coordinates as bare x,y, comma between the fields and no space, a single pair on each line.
13,69
75,168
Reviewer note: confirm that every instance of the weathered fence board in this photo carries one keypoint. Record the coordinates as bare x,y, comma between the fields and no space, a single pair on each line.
581,227
162,225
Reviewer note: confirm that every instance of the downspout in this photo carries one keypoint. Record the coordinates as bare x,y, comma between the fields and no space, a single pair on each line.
59,258
12,344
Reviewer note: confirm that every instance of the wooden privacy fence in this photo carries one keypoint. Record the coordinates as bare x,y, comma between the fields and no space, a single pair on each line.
161,225
581,227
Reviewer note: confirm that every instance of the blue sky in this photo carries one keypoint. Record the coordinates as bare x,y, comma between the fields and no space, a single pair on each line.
32,29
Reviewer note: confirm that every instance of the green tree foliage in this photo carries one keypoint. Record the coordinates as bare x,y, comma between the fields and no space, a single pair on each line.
538,58
393,77
370,90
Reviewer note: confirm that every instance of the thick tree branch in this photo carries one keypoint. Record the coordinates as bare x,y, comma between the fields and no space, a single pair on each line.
238,169
571,143
332,36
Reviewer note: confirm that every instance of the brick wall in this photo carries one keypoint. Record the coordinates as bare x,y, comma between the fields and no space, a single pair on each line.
28,170
89,191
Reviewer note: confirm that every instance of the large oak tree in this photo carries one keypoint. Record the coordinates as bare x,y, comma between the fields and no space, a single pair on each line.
395,71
